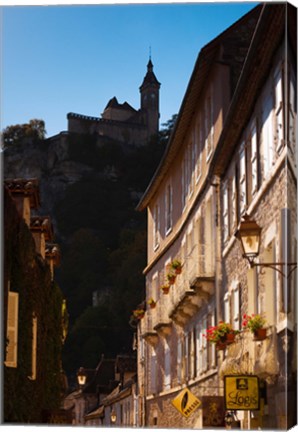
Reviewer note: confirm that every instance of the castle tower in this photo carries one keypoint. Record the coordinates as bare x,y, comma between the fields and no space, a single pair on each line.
150,100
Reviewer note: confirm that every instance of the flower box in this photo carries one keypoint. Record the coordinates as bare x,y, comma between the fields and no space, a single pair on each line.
260,334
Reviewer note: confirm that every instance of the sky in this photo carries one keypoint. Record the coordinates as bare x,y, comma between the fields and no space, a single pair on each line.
75,58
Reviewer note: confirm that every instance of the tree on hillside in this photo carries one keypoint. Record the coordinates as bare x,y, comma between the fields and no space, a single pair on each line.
17,134
167,129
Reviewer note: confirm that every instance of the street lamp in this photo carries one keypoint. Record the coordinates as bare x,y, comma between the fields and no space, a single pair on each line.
113,416
230,417
249,235
81,376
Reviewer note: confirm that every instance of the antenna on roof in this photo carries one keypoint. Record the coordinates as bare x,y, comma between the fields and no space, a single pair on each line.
149,52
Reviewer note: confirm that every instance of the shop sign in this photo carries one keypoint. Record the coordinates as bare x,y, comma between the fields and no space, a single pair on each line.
213,411
186,402
241,392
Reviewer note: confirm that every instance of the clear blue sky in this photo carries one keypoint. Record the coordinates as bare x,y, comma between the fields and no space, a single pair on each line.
60,59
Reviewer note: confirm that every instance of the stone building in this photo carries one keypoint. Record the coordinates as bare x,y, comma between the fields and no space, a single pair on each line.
122,122
232,153
33,380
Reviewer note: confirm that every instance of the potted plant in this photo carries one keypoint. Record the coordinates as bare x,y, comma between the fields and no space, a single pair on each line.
255,323
171,278
165,289
152,303
176,266
222,335
139,313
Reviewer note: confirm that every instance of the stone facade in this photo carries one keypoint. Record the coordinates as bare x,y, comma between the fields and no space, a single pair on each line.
231,154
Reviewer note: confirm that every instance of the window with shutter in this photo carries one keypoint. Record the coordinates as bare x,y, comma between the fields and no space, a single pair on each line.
34,348
292,113
167,366
225,212
233,203
227,307
254,160
153,373
156,226
278,87
204,345
168,208
12,330
242,179
236,307
267,135
179,361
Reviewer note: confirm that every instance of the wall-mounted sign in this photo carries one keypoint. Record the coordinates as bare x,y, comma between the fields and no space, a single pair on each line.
242,392
213,411
186,402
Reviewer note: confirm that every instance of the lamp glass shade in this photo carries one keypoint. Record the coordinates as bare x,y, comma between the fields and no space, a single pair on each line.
113,417
81,376
249,234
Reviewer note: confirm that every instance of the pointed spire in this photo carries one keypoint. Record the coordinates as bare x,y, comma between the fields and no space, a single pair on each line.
150,78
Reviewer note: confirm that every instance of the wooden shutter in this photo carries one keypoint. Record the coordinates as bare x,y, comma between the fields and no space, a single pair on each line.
254,160
242,180
34,347
12,330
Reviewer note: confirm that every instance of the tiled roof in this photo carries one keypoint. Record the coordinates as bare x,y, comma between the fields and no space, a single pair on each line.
42,224
125,363
206,58
24,187
53,252
113,103
102,378
150,78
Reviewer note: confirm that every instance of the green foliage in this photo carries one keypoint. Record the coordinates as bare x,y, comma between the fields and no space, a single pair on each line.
18,134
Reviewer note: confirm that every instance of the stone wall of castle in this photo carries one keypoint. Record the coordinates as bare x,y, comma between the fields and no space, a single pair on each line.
126,132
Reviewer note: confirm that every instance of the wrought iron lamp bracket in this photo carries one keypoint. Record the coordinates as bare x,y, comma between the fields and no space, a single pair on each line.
279,267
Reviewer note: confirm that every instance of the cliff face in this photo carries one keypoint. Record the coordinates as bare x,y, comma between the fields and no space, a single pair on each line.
50,162
90,187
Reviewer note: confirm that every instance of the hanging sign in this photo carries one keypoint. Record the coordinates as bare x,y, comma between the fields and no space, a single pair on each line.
186,402
241,392
213,411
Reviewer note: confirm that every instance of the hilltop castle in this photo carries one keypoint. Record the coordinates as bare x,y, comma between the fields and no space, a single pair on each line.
121,121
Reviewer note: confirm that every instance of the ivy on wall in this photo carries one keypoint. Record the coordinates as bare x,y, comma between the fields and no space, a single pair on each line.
29,275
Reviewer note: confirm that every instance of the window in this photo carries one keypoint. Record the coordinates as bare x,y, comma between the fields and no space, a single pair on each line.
254,160
203,346
12,330
34,347
236,307
179,361
153,372
229,211
169,208
242,179
267,135
209,128
232,203
156,226
278,93
211,346
291,111
167,366
199,146
226,230
227,316
184,181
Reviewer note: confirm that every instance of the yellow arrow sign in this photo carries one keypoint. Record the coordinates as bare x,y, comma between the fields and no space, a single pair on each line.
186,402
